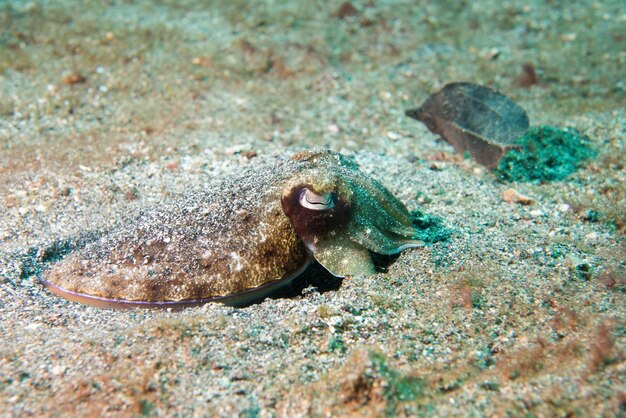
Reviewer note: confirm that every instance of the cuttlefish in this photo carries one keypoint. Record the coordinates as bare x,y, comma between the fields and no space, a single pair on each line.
239,241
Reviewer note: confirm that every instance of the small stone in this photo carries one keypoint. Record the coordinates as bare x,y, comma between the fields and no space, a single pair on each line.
58,370
384,95
202,61
249,154
333,129
65,191
512,196
74,78
490,53
393,136
563,207
437,166
592,236
568,37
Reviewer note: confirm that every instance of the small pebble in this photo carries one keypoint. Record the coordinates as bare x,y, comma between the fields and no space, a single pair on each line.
202,61
333,129
58,370
33,326
568,37
393,136
74,78
512,196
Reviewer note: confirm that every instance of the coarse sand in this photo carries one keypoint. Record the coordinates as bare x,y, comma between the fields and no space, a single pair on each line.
108,108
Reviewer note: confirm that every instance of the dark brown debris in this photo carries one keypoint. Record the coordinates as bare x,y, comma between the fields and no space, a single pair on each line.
346,10
528,77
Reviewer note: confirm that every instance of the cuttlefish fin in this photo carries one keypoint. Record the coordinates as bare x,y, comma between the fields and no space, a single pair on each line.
343,257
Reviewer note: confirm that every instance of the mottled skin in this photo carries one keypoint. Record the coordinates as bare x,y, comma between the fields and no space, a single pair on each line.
237,241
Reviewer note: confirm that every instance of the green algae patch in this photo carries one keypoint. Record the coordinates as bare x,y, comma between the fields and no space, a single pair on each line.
397,387
546,154
430,228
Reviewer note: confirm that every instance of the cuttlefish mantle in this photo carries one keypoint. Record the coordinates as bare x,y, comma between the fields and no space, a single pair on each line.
241,240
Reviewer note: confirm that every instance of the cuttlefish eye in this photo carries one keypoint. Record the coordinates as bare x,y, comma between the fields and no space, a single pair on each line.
311,200
314,214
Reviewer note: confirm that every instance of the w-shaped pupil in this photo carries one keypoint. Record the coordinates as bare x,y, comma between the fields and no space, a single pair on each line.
314,201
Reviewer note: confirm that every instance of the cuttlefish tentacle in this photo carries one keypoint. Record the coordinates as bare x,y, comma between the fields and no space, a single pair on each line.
242,239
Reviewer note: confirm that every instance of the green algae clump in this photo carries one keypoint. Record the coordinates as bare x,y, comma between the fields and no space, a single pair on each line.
547,154
430,229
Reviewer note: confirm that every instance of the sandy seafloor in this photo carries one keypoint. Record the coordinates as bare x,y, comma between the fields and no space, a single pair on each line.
109,107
